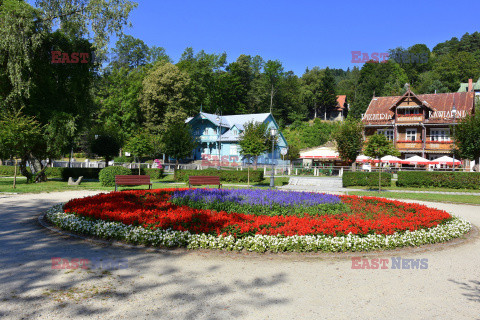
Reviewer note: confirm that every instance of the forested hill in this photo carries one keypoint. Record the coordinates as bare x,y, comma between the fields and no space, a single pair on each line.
250,84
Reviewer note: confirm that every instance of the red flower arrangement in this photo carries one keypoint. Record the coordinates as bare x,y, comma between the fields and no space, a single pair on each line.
151,209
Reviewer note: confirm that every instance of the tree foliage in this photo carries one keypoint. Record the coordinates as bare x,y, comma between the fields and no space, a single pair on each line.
349,140
467,138
254,140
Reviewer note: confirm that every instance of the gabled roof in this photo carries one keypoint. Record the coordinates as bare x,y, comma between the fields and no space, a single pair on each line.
411,95
341,102
233,120
380,111
464,86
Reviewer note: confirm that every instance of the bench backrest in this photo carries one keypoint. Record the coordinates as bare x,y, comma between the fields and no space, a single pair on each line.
132,179
204,179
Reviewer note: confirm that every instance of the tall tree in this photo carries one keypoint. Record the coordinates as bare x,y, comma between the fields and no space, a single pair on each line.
273,72
312,89
254,140
349,140
467,139
176,136
328,97
20,137
165,89
378,146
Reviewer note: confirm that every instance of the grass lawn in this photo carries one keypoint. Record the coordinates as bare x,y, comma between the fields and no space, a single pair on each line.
6,185
473,199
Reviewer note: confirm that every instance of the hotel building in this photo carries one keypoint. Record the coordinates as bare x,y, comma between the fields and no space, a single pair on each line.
418,124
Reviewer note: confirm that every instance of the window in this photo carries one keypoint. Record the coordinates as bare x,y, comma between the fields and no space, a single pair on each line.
205,131
411,134
233,150
440,135
387,132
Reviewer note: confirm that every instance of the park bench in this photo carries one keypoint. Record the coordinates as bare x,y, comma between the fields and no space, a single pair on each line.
132,181
203,180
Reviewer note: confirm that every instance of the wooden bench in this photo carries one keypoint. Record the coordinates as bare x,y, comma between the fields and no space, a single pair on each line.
203,180
132,181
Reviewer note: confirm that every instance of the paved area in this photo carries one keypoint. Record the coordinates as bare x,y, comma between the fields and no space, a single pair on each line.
181,284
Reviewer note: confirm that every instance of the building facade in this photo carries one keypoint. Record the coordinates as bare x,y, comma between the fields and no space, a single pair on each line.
218,137
418,124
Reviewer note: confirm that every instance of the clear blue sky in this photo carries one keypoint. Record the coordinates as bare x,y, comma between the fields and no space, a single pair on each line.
300,33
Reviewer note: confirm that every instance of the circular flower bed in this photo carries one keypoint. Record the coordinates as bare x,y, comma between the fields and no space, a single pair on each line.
256,220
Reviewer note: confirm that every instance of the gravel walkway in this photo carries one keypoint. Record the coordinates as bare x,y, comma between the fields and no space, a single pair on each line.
182,284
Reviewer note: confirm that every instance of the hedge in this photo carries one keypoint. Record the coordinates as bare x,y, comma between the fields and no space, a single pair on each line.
453,180
225,175
107,175
365,179
8,171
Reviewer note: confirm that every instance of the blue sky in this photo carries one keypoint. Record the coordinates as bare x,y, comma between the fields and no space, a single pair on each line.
300,33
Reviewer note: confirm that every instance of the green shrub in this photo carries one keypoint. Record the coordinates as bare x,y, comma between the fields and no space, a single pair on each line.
54,172
107,175
453,180
154,173
8,171
365,179
123,159
86,173
225,175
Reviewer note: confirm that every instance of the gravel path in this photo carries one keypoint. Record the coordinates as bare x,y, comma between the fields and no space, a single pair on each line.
182,284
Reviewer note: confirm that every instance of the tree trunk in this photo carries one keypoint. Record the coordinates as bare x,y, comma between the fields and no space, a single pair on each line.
271,99
15,174
354,166
255,162
379,175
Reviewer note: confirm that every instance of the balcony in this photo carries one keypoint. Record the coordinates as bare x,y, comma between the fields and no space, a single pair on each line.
439,145
410,118
409,145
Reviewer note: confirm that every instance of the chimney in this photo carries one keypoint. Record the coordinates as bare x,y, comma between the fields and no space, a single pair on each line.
470,85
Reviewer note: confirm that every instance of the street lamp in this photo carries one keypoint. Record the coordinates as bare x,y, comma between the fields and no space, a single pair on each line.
219,120
273,132
454,114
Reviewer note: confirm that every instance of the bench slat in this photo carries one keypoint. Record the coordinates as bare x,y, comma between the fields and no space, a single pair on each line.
204,180
132,180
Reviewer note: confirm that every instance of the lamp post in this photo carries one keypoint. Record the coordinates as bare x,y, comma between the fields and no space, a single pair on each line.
454,114
273,132
219,120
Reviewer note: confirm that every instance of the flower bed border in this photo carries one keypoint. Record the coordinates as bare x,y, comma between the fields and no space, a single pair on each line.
258,243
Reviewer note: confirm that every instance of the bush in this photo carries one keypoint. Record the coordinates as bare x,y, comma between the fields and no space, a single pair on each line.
123,159
365,179
154,173
225,175
453,180
8,171
107,175
54,172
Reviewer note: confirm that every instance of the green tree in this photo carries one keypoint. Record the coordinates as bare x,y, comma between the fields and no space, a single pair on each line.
349,140
328,97
103,142
467,138
312,89
378,146
176,136
379,79
20,137
273,73
165,89
131,52
254,140
140,145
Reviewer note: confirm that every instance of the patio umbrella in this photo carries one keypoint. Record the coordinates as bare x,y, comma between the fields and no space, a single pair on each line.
363,158
416,160
390,159
446,160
